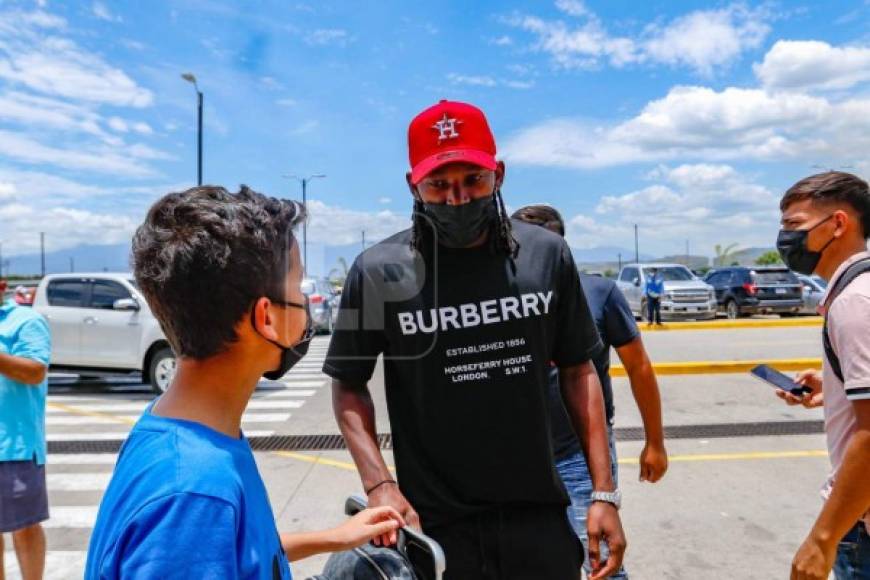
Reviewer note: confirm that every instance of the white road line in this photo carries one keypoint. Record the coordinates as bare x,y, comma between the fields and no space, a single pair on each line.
81,459
77,482
287,393
72,516
67,420
140,406
87,436
58,565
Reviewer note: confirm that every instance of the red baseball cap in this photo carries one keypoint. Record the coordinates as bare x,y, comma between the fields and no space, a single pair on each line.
449,132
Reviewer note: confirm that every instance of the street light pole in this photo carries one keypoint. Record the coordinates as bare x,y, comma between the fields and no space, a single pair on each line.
192,79
636,247
304,181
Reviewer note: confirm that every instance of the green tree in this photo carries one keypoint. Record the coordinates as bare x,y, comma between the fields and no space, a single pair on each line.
770,258
724,255
339,273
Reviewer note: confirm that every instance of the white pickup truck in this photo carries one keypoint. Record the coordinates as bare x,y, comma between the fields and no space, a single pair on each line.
101,325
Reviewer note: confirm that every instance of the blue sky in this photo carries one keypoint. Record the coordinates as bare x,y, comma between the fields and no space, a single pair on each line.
688,118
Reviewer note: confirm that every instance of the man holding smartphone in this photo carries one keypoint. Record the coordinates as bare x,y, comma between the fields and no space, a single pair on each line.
826,223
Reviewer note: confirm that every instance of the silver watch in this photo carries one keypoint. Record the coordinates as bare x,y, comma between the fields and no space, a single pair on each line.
612,497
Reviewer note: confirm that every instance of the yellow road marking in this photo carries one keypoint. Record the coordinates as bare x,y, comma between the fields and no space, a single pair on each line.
724,366
735,456
321,460
349,466
77,411
812,321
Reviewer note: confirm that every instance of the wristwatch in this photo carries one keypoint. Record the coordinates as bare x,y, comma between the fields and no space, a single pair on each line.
612,497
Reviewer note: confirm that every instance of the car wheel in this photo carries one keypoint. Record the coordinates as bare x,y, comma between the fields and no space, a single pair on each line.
161,370
732,310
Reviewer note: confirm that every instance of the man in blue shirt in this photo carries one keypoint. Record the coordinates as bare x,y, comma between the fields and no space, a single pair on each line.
25,349
617,329
222,273
653,290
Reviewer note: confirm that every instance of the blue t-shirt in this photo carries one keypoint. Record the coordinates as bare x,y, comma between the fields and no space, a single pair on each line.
655,286
617,327
185,501
23,333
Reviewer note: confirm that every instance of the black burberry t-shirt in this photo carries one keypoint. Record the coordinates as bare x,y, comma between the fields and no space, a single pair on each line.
467,338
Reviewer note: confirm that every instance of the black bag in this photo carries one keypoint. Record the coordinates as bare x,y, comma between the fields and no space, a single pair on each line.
849,276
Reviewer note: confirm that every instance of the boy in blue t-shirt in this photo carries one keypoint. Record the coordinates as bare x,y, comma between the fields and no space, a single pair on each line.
221,271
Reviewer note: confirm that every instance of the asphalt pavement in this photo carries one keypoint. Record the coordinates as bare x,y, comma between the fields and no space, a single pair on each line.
730,506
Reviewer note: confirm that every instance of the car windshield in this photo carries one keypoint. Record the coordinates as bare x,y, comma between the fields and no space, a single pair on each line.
133,283
822,283
671,273
775,277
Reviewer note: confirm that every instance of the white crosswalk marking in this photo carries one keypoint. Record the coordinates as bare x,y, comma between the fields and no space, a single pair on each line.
76,482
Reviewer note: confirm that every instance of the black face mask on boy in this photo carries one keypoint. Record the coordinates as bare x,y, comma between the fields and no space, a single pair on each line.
290,355
792,246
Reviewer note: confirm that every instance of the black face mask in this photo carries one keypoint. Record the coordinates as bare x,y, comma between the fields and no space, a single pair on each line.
290,355
459,226
792,246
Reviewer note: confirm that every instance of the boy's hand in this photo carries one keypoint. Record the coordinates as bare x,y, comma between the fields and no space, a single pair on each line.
379,525
812,379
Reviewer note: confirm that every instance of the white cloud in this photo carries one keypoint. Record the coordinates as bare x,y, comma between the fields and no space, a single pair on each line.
328,36
488,81
385,200
472,80
503,40
64,227
335,225
143,128
287,102
707,39
704,40
107,160
812,64
7,191
102,12
118,124
699,123
704,203
31,55
572,7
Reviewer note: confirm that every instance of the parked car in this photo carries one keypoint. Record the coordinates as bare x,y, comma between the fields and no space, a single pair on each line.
763,290
813,291
322,301
686,296
100,325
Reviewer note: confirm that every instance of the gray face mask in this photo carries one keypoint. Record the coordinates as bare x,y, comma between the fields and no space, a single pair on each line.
459,226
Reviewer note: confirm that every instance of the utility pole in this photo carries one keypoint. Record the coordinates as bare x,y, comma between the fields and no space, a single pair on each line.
72,264
636,246
363,240
189,77
304,181
687,254
619,256
42,251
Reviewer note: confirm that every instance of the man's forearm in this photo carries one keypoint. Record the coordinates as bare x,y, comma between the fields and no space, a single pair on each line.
355,413
645,390
850,497
584,401
22,370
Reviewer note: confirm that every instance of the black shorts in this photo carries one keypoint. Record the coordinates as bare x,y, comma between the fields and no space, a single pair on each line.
511,543
23,496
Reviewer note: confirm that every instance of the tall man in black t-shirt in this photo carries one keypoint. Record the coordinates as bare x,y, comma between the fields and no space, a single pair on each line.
469,311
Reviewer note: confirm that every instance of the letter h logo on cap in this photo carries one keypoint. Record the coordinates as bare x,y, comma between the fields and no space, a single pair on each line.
435,138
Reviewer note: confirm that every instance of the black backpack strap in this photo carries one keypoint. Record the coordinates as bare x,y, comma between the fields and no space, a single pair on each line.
852,272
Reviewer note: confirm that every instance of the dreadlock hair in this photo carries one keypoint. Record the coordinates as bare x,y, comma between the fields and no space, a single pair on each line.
501,239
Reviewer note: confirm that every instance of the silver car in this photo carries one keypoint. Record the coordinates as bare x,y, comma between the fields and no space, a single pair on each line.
685,297
322,303
814,290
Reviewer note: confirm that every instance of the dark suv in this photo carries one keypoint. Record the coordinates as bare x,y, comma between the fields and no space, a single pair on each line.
762,290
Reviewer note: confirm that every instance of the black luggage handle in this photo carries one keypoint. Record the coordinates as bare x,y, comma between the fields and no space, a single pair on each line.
407,535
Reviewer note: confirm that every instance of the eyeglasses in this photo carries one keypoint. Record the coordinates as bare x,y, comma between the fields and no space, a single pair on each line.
309,331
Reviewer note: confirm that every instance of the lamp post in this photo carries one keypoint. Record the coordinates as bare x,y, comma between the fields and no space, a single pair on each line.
192,79
304,181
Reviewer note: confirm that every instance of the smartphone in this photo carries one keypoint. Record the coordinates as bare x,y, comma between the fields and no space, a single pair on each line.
773,377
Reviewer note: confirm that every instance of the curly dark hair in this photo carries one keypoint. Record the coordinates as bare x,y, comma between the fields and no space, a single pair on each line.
833,187
543,215
204,256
